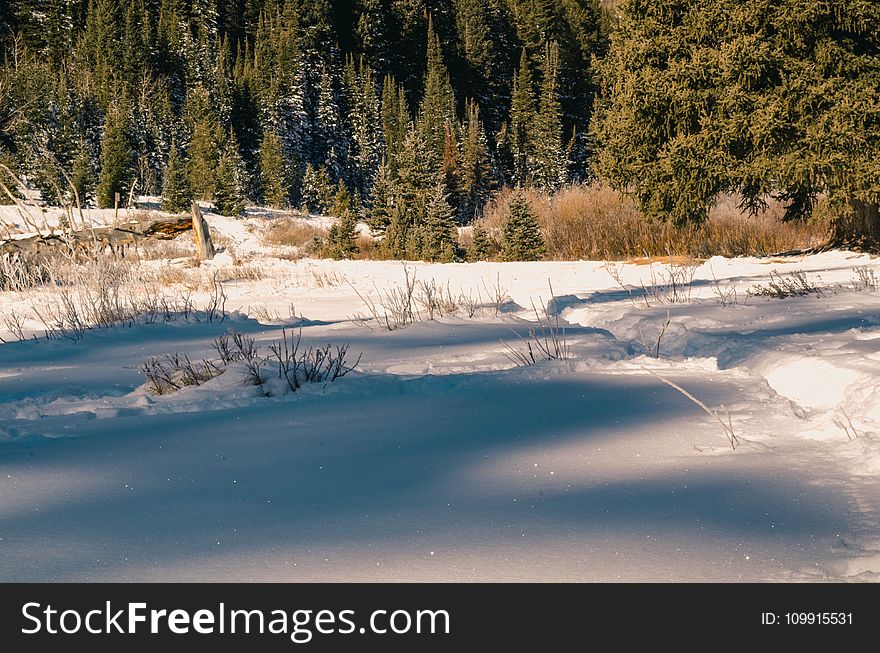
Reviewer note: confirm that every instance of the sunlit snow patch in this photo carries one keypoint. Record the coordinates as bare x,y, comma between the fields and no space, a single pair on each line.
811,382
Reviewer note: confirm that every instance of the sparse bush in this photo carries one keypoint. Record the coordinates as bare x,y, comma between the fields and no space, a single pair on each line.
293,232
310,365
296,364
793,284
546,340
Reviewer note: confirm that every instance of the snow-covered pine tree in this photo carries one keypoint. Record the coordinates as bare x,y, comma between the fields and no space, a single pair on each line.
229,188
318,192
365,124
437,109
522,118
522,235
551,166
480,247
332,145
474,167
117,172
381,207
277,173
438,236
177,194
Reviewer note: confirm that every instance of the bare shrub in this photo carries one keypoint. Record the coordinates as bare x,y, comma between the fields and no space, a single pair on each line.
216,307
470,303
235,346
669,284
546,340
296,364
22,271
311,364
395,308
793,284
497,293
173,371
435,299
14,324
865,279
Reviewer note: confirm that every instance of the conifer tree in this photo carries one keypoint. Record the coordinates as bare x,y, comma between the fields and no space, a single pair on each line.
318,191
276,171
475,175
228,188
205,145
395,120
522,119
332,143
381,207
117,171
437,109
776,98
481,247
82,174
177,194
342,239
438,237
522,236
550,167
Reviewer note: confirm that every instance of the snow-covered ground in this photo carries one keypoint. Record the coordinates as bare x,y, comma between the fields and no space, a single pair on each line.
440,458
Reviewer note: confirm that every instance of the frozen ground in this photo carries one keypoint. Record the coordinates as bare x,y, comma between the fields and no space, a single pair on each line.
439,458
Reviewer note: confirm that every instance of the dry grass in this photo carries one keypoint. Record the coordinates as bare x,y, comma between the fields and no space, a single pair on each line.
292,232
596,222
176,248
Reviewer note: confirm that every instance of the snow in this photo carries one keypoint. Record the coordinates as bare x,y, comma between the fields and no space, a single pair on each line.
440,458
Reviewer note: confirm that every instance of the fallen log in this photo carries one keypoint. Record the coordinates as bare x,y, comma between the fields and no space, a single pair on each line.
115,238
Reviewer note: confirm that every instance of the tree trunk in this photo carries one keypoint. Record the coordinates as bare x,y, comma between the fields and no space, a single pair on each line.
204,246
859,229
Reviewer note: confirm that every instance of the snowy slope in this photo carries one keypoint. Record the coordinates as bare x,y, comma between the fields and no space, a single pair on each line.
440,458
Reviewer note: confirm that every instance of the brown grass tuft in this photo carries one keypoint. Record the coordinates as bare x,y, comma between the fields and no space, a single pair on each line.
596,222
293,232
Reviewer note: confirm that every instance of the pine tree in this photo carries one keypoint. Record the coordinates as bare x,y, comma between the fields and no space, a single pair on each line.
228,189
784,101
342,239
522,236
381,202
437,109
117,171
475,176
481,247
318,191
418,172
177,194
205,145
438,236
395,121
277,173
550,167
522,119
82,175
364,118
331,148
